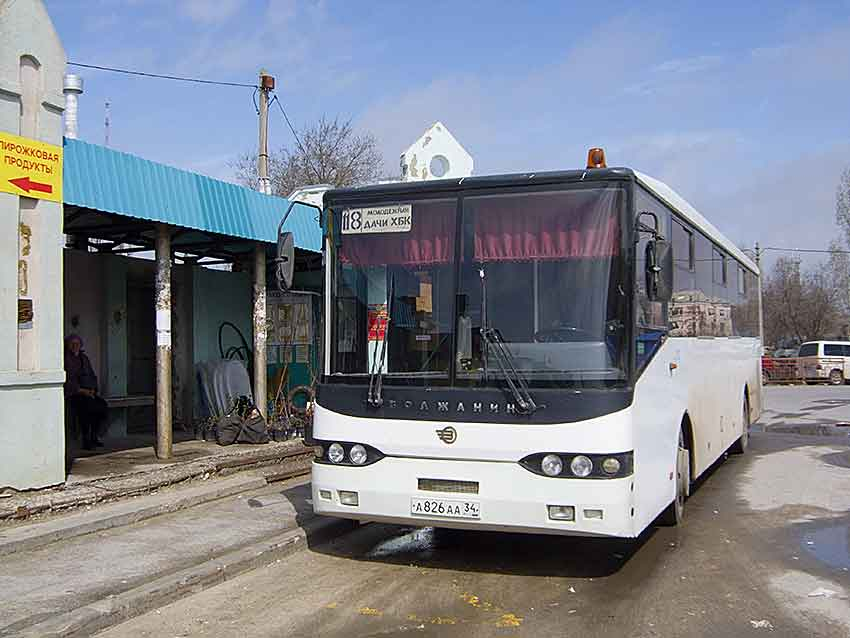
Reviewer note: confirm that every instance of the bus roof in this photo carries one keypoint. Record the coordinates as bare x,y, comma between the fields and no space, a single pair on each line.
450,186
681,205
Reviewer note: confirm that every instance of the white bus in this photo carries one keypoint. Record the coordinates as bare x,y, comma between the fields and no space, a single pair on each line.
560,352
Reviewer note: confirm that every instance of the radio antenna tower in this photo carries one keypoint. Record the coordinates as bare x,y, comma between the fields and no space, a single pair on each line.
106,124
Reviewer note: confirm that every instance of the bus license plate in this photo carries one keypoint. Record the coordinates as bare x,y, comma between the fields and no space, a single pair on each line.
444,508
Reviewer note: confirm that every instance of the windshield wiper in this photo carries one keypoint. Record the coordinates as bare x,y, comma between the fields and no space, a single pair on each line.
493,341
515,381
376,375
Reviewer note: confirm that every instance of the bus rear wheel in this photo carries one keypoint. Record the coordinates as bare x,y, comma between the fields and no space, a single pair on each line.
675,512
836,377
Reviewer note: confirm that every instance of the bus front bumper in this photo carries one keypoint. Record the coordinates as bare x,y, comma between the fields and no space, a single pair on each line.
509,498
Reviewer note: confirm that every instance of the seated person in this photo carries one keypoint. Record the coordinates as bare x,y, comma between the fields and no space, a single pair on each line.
81,392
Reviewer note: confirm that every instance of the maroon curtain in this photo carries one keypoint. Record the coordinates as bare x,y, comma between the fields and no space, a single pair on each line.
514,231
430,240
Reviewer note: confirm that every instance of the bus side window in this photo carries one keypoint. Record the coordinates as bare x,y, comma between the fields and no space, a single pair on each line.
684,274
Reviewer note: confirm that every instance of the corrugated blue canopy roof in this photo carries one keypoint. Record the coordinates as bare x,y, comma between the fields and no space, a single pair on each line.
103,179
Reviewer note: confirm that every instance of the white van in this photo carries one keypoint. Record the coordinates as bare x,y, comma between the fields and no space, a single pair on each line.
825,361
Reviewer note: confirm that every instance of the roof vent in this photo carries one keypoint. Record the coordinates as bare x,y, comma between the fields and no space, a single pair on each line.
72,87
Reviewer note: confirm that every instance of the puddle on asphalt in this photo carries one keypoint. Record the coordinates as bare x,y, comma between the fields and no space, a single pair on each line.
837,459
420,542
829,545
811,429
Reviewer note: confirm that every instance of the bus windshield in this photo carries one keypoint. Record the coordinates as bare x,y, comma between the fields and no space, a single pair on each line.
414,286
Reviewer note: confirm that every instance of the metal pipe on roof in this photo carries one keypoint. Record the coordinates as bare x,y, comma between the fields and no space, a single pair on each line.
72,87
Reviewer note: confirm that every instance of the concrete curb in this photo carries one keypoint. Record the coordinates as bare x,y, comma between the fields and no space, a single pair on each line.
35,535
114,610
118,486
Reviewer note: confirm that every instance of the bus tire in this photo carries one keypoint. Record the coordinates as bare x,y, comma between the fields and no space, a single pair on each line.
675,512
740,446
836,377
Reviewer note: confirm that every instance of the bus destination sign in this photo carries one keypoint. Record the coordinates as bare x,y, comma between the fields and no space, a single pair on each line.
395,218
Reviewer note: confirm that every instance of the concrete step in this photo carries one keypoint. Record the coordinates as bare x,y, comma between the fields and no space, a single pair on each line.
113,610
38,534
84,583
129,473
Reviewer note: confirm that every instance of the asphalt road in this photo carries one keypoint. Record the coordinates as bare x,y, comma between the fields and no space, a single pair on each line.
765,550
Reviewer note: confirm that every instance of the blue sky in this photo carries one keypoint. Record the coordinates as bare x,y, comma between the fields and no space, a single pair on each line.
744,108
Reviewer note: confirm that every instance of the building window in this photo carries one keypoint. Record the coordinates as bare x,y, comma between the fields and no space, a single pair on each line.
718,267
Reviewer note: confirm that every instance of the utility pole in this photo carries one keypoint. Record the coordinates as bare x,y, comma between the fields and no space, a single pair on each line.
259,314
266,87
761,311
162,297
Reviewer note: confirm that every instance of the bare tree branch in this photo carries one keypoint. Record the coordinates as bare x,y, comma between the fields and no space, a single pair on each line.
333,153
842,204
802,305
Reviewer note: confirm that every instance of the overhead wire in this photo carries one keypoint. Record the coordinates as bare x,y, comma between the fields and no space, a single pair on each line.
806,250
178,78
161,76
275,100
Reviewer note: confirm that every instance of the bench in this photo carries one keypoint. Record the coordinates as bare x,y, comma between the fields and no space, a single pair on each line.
134,401
118,410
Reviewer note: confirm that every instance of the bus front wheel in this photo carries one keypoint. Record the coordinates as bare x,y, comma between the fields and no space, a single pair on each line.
675,512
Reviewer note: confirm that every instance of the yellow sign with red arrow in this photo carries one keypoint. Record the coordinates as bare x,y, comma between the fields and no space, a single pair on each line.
30,168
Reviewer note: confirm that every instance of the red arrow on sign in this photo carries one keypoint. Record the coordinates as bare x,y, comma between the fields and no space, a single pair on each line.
26,184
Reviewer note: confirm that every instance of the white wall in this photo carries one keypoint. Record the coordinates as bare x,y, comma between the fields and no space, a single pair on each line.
32,439
435,155
85,304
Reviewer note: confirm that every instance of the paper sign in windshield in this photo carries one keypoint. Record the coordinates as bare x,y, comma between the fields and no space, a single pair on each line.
377,219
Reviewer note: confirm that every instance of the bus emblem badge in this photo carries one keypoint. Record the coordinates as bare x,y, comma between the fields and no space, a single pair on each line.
447,435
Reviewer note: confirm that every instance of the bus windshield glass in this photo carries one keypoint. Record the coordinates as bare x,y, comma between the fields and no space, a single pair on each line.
540,272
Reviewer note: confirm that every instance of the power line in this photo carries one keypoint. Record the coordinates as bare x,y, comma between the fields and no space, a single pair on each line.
161,76
297,139
806,250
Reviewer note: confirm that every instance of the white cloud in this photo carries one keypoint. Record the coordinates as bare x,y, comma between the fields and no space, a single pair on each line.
535,119
696,64
280,13
790,204
683,158
207,11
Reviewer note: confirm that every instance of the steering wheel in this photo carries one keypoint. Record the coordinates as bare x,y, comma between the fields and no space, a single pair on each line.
563,334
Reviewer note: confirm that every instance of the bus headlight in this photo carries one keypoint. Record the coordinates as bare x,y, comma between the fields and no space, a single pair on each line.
335,453
611,465
346,453
581,466
357,454
552,465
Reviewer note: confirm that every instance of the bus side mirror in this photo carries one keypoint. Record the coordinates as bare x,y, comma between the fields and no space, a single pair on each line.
659,270
285,261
